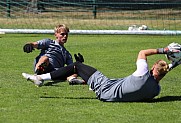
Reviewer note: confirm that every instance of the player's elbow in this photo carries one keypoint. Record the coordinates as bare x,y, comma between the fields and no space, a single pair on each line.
142,54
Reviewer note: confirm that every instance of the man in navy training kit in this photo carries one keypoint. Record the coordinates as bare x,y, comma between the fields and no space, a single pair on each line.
53,54
142,85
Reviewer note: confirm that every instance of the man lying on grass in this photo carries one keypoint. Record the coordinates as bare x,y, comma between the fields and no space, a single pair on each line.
142,85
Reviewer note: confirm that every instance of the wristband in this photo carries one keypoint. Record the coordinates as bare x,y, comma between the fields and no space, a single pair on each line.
161,51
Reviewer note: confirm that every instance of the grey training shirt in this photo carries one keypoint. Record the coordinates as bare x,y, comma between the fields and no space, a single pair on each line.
139,86
57,54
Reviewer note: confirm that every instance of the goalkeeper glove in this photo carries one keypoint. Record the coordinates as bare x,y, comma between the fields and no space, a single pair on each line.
79,58
174,47
171,48
28,48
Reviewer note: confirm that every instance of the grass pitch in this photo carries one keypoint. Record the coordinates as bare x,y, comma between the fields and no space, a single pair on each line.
114,55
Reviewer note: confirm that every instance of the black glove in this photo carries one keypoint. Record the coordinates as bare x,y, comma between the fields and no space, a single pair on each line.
79,58
28,48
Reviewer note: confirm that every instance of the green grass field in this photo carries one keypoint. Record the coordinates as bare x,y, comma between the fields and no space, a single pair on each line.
113,55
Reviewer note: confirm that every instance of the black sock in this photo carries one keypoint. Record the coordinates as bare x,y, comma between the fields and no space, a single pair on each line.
63,73
84,71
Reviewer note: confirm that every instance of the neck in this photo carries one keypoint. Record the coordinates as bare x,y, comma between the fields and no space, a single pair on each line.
60,43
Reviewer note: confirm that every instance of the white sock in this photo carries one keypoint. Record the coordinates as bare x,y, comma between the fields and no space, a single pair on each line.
70,78
45,76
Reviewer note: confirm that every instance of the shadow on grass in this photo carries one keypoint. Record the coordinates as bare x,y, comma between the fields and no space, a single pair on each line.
166,99
161,99
68,97
53,83
50,84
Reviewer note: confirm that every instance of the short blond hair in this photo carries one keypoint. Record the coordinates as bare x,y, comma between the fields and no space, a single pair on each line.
162,67
59,27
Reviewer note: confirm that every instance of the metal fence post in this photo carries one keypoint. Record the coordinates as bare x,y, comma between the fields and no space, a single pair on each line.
94,8
8,8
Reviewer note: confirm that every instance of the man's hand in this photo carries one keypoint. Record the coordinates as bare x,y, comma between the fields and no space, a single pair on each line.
41,68
174,47
171,48
79,58
28,48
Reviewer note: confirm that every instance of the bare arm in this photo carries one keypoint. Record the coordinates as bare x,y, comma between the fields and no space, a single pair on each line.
34,44
144,53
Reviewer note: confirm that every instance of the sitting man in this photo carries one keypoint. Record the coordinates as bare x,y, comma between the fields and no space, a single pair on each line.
53,54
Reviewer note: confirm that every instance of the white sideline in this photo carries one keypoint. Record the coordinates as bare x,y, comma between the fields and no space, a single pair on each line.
140,32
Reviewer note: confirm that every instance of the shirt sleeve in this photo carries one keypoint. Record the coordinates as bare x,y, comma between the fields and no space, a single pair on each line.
44,43
142,67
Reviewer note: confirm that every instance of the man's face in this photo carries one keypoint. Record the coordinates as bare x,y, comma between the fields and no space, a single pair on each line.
155,69
62,36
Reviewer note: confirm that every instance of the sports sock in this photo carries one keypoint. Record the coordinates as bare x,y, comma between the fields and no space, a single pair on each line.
45,76
84,71
70,78
63,73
